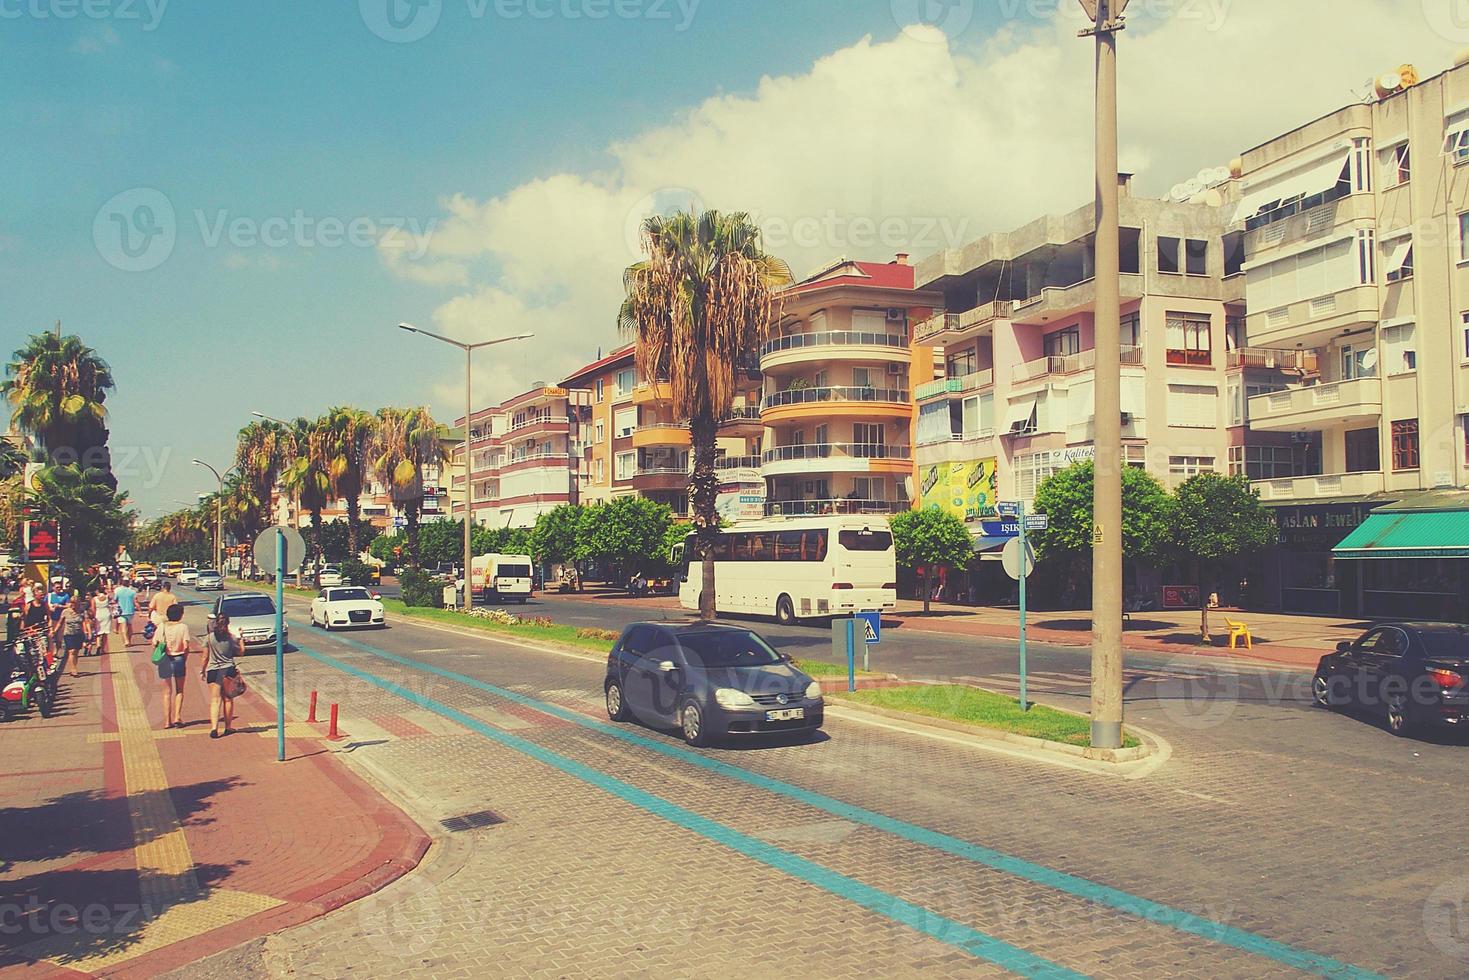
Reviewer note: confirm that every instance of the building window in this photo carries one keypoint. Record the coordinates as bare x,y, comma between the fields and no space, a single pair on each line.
1131,330
1464,237
601,389
1464,427
1183,467
1367,258
869,488
1168,254
1361,165
1405,445
1400,261
627,465
1264,462
1189,340
1464,332
1456,142
1196,257
1234,254
1131,242
1402,163
869,437
961,364
625,422
1398,348
1362,451
1357,362
1235,396
1063,343
861,378
1033,469
601,430
625,382
1193,406
601,466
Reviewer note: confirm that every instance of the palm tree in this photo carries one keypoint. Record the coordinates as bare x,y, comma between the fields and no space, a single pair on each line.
262,451
351,432
407,441
57,387
13,459
90,514
306,474
703,301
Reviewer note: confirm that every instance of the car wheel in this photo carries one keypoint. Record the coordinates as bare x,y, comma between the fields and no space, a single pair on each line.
616,706
785,611
691,723
1399,718
1321,690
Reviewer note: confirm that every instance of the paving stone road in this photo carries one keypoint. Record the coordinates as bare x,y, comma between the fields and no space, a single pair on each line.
1278,840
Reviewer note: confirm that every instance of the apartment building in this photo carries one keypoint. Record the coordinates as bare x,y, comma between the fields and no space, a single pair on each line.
1357,277
525,456
838,377
1014,400
610,381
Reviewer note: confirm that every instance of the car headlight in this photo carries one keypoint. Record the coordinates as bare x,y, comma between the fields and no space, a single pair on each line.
728,697
813,691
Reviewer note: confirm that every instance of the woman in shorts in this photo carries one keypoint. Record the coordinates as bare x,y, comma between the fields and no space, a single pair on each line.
221,649
176,642
73,632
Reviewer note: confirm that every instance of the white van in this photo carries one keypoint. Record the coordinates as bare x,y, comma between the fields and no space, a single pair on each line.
502,578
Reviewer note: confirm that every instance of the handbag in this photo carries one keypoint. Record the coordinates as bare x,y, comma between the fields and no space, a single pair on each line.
149,630
232,685
160,650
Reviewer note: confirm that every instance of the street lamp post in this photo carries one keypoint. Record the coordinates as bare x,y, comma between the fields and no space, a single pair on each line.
469,350
218,514
1106,701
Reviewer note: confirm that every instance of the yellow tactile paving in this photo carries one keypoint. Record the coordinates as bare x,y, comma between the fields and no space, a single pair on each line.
175,907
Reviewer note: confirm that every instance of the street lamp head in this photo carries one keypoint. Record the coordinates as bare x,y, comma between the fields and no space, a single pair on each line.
408,326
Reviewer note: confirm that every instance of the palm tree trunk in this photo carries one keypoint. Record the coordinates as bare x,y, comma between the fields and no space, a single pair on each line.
316,545
354,521
927,586
703,494
410,512
1203,607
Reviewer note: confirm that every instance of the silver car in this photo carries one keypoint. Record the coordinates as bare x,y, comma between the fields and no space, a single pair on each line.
209,581
252,615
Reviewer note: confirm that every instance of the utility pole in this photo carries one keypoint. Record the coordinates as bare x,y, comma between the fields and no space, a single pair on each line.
1106,703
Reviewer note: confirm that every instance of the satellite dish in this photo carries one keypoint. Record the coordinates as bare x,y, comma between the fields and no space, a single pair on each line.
1222,175
1369,360
1179,193
1194,185
1388,83
1213,198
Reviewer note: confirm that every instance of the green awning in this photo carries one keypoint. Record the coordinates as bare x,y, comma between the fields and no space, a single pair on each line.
1409,534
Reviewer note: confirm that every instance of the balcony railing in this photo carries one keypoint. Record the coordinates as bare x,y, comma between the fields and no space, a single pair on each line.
737,463
661,471
837,450
536,457
540,418
1305,361
942,323
803,396
1072,363
947,437
955,386
750,413
833,338
845,505
1328,485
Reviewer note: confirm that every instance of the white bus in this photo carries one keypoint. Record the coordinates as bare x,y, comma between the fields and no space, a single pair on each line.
797,568
502,577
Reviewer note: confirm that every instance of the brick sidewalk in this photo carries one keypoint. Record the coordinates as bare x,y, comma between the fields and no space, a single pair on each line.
130,850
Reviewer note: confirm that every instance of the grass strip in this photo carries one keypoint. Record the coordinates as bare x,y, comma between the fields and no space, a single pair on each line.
981,708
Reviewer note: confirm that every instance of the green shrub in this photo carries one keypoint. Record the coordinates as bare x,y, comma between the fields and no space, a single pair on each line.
420,590
592,633
357,572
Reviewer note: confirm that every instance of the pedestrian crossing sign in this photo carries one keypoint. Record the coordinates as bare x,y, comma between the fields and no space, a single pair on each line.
873,621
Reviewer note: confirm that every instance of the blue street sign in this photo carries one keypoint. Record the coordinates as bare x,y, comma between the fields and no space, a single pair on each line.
874,626
1000,529
1008,508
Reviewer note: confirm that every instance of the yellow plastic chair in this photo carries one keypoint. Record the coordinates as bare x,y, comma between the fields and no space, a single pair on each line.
1237,631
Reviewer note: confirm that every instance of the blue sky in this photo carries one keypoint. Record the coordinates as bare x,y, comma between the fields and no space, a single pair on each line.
272,113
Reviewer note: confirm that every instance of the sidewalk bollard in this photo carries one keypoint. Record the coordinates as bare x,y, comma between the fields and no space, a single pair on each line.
311,715
331,731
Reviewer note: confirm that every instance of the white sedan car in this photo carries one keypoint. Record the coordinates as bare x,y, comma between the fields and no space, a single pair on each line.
332,575
346,606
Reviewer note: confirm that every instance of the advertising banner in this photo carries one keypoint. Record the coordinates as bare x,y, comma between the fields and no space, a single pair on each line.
969,489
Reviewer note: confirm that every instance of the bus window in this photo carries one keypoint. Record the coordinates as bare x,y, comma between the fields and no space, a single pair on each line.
788,546
814,545
866,540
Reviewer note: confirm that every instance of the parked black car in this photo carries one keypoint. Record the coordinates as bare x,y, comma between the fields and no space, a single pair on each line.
1413,674
710,681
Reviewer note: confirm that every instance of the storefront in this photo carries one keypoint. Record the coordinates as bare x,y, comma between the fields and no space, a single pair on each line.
1412,559
1303,575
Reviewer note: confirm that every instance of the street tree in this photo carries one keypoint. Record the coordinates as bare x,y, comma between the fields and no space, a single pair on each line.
1219,519
352,435
262,452
928,539
699,307
91,515
307,477
627,534
1066,498
553,541
57,388
406,442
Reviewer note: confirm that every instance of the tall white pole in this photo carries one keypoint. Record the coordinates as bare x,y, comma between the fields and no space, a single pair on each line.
468,493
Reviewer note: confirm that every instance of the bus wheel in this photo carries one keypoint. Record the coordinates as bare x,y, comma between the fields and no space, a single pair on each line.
785,611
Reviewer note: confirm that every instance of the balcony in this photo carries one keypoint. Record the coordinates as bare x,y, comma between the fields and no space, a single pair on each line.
846,505
948,328
646,392
540,420
1311,322
737,463
1262,358
1315,407
836,399
659,477
656,434
1054,365
945,387
533,460
1057,302
1315,487
833,457
818,345
957,438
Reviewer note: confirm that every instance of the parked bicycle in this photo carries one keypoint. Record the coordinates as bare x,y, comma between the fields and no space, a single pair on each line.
32,675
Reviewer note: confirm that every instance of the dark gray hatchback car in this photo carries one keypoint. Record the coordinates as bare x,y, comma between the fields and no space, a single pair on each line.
710,681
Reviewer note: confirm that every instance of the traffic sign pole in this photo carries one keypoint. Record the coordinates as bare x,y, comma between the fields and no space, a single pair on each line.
280,645
1024,554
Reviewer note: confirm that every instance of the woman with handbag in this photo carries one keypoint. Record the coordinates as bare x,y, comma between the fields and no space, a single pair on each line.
222,676
171,653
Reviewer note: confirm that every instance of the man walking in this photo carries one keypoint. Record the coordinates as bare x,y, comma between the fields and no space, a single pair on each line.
161,603
126,598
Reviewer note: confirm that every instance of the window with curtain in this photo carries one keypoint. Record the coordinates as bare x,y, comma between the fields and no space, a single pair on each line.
1399,349
1405,445
1189,338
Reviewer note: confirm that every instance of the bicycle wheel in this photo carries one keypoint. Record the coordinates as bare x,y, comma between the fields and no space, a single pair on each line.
45,701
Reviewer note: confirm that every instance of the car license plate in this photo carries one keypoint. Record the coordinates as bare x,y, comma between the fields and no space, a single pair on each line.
789,714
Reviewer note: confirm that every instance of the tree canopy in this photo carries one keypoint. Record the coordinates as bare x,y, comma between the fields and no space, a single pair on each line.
928,538
1066,497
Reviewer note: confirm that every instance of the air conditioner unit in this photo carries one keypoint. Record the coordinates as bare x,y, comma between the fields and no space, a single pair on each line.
895,370
897,316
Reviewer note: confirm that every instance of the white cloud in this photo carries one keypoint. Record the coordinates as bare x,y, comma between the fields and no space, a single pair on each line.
910,144
96,40
238,261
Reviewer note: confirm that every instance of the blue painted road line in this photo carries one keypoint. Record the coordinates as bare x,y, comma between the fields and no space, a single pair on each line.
915,917
1187,922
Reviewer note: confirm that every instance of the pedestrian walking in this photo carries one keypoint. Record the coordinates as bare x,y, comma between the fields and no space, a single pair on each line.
72,632
159,605
174,638
222,676
102,621
126,598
